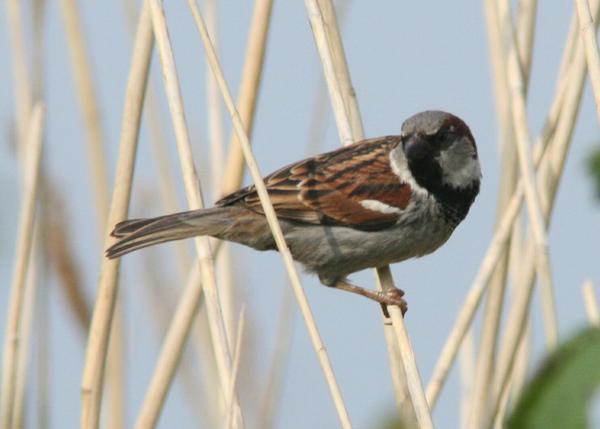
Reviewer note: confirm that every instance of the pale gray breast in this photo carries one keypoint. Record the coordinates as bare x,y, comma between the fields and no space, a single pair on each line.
338,251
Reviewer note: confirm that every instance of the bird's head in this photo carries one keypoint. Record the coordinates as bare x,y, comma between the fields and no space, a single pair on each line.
441,155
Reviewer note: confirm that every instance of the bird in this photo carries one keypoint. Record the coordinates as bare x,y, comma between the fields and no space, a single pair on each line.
366,205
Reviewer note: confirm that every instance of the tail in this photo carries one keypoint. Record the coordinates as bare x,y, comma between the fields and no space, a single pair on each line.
136,234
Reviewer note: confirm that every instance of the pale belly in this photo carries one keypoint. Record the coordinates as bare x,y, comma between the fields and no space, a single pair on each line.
334,252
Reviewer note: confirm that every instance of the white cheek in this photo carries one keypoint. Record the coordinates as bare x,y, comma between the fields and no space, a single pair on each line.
378,206
400,168
459,171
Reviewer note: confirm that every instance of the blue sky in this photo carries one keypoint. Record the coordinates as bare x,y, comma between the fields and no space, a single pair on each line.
404,57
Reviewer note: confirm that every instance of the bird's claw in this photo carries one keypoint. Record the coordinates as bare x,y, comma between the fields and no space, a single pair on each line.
393,296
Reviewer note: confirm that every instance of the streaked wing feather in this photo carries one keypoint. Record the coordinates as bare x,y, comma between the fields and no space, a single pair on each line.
328,189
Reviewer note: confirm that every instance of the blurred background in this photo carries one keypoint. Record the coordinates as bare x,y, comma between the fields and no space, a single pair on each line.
404,57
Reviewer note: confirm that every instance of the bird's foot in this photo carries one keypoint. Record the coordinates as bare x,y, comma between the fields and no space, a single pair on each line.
392,296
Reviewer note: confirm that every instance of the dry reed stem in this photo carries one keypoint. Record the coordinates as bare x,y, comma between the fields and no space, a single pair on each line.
591,303
248,95
562,140
497,285
39,398
479,407
215,116
516,251
166,184
82,72
98,166
519,375
213,404
508,180
18,413
55,236
340,67
573,38
503,402
516,324
493,253
561,143
283,340
347,114
411,372
489,338
466,360
272,393
12,340
525,30
115,378
588,36
498,242
495,298
237,353
564,129
324,24
318,124
171,352
202,342
463,321
93,375
227,287
20,71
158,145
500,90
247,101
217,152
524,143
404,404
273,222
168,195
194,197
342,118
503,406
397,341
59,253
160,306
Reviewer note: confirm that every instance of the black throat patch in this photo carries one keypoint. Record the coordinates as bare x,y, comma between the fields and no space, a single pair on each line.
455,202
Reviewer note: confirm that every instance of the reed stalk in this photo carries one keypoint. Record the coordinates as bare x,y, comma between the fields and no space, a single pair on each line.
591,303
273,222
97,347
248,92
553,169
349,125
194,196
20,72
12,335
493,309
588,36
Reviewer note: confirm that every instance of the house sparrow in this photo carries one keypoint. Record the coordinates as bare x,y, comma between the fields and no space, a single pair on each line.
372,203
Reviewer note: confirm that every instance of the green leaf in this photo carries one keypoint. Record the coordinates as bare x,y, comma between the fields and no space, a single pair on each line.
558,395
594,170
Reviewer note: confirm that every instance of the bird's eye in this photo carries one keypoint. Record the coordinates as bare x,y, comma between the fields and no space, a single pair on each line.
447,132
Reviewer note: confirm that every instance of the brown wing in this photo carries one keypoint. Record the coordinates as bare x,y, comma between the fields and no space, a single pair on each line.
328,189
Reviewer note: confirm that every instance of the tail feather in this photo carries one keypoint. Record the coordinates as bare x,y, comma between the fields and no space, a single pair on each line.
135,234
126,227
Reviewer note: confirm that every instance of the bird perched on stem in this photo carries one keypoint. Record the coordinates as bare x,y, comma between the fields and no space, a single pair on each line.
370,204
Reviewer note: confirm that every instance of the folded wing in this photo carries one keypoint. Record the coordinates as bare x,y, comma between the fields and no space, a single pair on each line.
353,186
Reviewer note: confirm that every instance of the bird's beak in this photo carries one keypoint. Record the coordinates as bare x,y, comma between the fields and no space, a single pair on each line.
416,147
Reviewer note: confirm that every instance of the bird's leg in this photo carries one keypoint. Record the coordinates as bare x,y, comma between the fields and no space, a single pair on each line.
390,297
